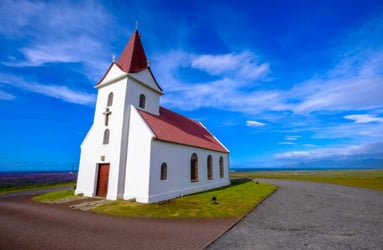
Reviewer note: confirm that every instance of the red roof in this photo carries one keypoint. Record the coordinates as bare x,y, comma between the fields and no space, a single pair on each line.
133,58
172,127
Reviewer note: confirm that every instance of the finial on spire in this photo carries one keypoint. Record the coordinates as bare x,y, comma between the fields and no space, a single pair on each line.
113,57
136,24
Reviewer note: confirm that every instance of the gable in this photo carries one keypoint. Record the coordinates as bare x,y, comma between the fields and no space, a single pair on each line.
146,77
113,74
172,127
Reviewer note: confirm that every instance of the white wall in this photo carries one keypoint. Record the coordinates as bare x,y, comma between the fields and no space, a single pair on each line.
92,148
178,183
138,158
135,89
126,91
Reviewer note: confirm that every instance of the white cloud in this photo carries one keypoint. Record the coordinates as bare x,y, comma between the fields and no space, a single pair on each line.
292,137
244,65
287,143
351,151
59,92
6,96
342,94
364,118
63,93
59,32
255,124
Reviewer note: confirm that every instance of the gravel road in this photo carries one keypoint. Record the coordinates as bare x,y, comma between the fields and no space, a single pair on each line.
305,215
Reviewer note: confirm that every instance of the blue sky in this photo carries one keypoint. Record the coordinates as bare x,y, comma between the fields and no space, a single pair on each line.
278,82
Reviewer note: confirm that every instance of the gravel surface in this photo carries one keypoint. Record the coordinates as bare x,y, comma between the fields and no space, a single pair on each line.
305,215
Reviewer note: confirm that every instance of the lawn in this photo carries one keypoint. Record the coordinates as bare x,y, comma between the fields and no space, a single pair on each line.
372,179
232,201
57,195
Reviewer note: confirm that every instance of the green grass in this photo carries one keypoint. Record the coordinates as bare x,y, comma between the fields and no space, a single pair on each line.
51,196
4,190
372,179
232,201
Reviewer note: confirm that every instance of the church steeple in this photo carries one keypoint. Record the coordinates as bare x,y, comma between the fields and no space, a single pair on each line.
133,58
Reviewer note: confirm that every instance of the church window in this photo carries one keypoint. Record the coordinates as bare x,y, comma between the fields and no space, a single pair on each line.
106,137
164,171
107,113
194,168
142,101
210,167
221,170
110,99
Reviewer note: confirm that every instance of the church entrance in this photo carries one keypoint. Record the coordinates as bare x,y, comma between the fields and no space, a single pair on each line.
102,180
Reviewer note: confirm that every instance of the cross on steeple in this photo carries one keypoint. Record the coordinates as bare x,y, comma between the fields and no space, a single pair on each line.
107,113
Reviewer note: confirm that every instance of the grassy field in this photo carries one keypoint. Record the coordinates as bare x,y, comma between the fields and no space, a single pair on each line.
372,179
17,182
5,190
232,201
51,196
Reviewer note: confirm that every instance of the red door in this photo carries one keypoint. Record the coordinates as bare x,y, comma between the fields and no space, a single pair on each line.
102,180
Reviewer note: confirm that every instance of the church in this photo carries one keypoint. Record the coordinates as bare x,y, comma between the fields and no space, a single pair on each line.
138,150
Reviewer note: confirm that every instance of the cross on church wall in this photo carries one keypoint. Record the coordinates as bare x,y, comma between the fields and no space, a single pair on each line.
107,113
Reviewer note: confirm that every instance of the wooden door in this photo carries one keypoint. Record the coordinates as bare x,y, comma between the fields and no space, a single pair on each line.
102,180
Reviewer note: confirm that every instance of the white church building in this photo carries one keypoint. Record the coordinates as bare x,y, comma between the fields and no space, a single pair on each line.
138,150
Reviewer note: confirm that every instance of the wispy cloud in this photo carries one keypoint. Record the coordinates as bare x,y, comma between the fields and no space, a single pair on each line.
286,143
292,137
6,96
60,32
354,151
255,124
63,93
341,94
244,65
59,92
364,118
345,86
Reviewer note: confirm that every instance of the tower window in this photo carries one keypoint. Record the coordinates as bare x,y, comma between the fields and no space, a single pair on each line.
164,171
194,168
106,137
142,101
110,99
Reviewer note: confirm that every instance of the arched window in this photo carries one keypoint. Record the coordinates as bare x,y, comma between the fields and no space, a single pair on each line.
142,101
210,167
164,171
110,99
106,137
194,168
221,169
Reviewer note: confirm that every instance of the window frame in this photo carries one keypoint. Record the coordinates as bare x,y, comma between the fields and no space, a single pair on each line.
210,167
142,101
194,168
164,171
110,100
106,137
221,167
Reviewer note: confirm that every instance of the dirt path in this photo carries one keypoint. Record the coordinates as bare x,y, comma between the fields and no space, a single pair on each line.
304,215
31,225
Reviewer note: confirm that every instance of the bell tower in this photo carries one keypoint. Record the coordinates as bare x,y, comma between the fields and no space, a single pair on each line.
127,84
